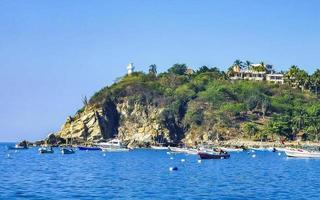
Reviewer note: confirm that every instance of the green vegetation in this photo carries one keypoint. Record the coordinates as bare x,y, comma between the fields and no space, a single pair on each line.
207,100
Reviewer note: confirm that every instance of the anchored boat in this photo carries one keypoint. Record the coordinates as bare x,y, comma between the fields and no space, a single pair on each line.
67,150
301,153
231,149
213,155
178,150
44,150
114,145
17,147
82,148
160,147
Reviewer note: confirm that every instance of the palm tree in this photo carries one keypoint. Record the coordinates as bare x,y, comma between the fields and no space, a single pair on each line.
250,129
153,69
298,121
247,64
315,81
238,63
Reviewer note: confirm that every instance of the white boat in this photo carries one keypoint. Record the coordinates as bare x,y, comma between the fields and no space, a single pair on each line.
44,150
178,150
158,147
114,145
301,153
192,151
231,149
259,149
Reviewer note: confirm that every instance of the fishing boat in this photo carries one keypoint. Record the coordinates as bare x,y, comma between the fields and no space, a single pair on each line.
192,151
259,149
44,150
84,148
231,149
17,147
213,155
178,149
159,147
301,153
66,150
114,145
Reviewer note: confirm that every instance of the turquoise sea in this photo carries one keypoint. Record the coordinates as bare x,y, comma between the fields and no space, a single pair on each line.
145,174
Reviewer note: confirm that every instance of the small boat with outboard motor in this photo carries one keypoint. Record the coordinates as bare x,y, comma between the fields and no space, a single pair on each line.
67,150
231,149
301,153
214,154
160,146
86,148
18,147
178,149
44,150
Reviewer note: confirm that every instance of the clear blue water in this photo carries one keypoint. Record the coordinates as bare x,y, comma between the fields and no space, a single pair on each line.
144,174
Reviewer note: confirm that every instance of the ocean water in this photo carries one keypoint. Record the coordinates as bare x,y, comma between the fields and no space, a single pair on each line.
145,174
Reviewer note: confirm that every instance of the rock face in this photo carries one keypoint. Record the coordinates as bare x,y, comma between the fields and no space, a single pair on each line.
134,123
139,123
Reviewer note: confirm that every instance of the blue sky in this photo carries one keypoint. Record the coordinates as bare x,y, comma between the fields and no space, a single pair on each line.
52,53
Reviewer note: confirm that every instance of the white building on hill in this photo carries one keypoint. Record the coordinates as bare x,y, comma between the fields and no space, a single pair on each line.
256,72
130,68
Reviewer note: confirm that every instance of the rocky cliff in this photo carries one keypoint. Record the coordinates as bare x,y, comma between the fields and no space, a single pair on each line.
132,122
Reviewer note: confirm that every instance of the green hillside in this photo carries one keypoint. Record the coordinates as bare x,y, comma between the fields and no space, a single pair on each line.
207,101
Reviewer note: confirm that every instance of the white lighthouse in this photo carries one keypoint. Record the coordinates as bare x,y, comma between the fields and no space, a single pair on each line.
130,68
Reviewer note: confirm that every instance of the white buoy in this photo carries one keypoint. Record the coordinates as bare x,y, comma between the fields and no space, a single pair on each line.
252,151
168,153
171,158
254,155
183,160
104,155
279,154
199,161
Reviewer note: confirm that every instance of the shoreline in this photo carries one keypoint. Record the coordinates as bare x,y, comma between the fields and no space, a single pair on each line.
227,143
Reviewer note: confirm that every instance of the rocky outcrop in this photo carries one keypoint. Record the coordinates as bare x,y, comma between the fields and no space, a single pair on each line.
139,123
86,125
133,122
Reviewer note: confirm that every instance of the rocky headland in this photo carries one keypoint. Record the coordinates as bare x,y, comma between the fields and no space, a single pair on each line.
192,108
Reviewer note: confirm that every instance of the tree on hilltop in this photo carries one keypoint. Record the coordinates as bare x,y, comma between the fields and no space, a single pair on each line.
153,69
179,69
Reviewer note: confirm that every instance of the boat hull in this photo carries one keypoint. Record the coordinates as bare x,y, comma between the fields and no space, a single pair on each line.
89,148
159,148
17,148
206,156
115,149
67,151
46,151
178,150
231,149
302,154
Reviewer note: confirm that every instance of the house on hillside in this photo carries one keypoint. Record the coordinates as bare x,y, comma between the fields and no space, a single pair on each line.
275,78
256,72
190,71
